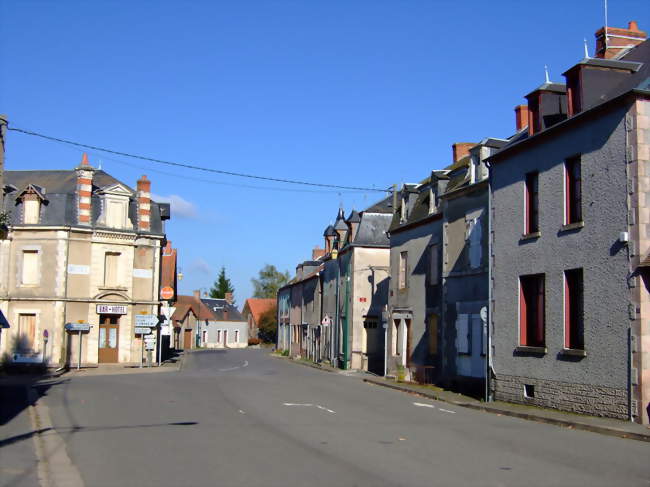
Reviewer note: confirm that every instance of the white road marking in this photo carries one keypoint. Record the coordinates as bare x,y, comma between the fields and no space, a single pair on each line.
235,368
423,405
242,412
309,405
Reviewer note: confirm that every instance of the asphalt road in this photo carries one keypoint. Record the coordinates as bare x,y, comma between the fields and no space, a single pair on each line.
242,418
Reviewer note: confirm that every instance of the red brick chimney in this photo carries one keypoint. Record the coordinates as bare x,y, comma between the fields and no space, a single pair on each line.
317,252
521,117
197,294
144,204
461,149
85,174
229,298
616,41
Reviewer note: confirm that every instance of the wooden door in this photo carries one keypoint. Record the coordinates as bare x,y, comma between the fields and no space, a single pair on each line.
108,338
225,338
187,339
407,333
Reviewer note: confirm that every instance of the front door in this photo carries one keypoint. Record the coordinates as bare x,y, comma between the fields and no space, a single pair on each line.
108,338
187,339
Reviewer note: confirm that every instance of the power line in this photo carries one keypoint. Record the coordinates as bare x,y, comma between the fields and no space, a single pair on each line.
197,168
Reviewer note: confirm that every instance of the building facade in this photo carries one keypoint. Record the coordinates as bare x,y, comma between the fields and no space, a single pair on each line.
81,248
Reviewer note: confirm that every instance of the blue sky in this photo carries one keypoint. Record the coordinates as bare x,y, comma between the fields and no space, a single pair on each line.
362,93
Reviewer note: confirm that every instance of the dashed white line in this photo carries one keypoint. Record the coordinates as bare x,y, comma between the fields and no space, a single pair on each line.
310,405
447,411
422,405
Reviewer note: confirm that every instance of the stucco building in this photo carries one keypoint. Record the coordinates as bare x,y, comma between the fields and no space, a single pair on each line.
569,199
81,247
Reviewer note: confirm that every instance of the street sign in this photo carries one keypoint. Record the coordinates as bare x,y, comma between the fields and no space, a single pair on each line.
142,330
77,326
111,309
167,311
149,346
146,320
164,330
46,335
3,321
167,293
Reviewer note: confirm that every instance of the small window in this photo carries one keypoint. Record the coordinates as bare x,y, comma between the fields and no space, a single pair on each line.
30,274
531,310
403,269
573,310
573,191
111,269
529,391
31,210
433,207
532,203
434,265
463,334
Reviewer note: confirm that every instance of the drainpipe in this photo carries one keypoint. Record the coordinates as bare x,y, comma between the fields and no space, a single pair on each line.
346,323
488,337
335,328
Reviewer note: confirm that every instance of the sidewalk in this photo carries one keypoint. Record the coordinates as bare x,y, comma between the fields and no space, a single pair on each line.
606,426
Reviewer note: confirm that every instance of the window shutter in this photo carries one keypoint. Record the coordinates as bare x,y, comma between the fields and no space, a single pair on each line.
539,325
462,334
30,267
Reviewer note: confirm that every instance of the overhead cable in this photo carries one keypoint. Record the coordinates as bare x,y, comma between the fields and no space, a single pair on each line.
197,168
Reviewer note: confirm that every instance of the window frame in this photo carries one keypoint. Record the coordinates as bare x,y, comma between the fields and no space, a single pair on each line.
433,260
116,281
573,190
532,310
531,203
574,309
23,267
402,281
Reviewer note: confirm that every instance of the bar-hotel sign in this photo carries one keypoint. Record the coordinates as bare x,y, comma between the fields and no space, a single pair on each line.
111,309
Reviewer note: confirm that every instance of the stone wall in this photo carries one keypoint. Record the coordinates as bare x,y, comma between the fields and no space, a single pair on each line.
577,398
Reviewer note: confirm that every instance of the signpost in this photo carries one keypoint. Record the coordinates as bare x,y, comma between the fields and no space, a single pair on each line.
165,330
143,325
46,335
79,328
167,293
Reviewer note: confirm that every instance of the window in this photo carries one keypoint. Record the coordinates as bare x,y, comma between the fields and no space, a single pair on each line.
434,265
573,310
111,269
403,211
236,336
432,323
403,266
473,237
31,209
30,275
463,334
218,336
115,213
26,332
573,191
532,203
432,201
531,310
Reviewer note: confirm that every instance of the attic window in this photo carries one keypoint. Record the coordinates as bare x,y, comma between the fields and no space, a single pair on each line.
573,93
31,209
403,211
432,201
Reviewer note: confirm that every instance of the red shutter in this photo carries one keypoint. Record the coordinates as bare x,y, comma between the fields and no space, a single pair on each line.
523,314
539,325
567,312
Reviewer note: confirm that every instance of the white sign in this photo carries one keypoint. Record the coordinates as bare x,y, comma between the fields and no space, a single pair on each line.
164,330
78,269
111,309
167,311
149,346
141,330
27,358
142,273
146,320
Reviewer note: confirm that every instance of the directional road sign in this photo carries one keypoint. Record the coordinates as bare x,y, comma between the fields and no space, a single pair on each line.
146,320
142,330
77,326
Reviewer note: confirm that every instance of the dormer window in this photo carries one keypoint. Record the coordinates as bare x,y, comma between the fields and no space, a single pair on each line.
433,207
31,198
403,210
115,207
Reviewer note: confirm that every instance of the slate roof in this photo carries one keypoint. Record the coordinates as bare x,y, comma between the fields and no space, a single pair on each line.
185,304
257,307
221,310
58,187
354,217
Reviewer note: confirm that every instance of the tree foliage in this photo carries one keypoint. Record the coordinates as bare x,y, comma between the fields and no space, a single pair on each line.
268,325
221,286
269,281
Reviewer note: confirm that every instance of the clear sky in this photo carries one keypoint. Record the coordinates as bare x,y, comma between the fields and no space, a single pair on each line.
349,92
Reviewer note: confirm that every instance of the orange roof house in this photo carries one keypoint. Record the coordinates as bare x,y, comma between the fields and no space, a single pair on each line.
254,308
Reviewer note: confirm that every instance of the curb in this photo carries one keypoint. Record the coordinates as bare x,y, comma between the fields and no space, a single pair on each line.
631,435
306,364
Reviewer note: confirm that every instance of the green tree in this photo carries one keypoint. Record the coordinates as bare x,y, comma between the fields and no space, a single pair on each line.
268,325
269,281
221,286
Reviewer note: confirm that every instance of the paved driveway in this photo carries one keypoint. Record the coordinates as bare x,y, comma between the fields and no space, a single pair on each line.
242,418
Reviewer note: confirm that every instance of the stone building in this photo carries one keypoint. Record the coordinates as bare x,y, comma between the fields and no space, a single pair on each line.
81,247
570,246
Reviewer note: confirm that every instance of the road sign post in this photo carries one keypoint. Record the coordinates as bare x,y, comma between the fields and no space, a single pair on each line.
79,328
46,335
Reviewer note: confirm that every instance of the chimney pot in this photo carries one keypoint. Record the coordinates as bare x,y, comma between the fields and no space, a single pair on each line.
617,40
144,203
84,160
521,117
229,298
